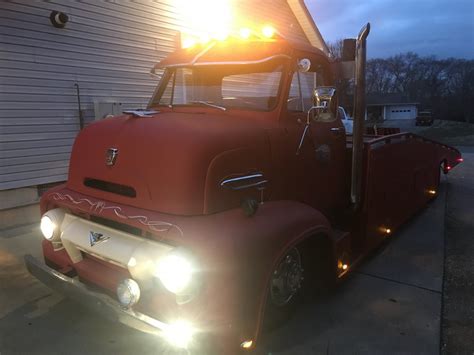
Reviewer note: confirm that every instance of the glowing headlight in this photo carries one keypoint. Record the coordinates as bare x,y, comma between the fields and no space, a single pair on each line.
51,223
175,272
128,292
179,334
47,227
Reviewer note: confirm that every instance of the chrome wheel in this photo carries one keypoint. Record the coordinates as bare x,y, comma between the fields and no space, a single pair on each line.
286,279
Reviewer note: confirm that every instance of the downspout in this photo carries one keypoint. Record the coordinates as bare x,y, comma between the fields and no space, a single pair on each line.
359,116
81,118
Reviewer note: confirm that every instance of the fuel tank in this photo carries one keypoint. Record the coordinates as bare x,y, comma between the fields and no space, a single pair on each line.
171,162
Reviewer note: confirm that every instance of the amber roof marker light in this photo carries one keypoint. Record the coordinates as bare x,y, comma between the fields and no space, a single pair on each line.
268,31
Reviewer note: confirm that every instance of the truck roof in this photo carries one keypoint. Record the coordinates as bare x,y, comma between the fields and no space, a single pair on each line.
235,52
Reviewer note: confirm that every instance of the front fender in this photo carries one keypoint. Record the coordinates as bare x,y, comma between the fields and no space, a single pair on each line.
260,242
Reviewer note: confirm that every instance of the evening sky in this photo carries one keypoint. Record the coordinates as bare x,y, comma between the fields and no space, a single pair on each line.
444,28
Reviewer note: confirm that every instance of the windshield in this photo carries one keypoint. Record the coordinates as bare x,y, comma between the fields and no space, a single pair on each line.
253,87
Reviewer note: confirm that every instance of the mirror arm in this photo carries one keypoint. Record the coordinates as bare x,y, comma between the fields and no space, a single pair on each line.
306,127
300,90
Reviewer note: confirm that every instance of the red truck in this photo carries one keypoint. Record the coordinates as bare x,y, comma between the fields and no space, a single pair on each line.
235,194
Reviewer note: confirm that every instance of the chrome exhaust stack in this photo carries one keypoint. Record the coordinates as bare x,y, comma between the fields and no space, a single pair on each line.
359,115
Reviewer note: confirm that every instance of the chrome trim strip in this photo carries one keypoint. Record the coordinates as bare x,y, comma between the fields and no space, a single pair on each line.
246,177
228,182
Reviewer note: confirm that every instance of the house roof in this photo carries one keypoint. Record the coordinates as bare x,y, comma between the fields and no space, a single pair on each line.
308,25
375,99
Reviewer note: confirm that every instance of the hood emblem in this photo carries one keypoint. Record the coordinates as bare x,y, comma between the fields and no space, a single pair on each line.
96,238
111,156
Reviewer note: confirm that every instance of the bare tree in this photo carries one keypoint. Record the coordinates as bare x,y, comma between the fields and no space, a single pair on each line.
446,86
335,48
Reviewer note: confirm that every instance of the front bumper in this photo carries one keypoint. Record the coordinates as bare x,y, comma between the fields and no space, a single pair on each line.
97,302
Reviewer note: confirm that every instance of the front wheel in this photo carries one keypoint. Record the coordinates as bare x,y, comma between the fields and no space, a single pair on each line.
285,289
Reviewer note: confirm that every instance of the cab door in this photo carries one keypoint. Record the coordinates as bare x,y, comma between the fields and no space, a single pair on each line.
320,162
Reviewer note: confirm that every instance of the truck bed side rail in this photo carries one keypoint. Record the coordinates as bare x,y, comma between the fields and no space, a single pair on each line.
395,138
401,175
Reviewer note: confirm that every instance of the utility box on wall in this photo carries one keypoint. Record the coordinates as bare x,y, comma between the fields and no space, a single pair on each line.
104,109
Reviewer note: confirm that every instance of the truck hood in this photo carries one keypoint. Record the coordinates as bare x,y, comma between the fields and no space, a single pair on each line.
170,162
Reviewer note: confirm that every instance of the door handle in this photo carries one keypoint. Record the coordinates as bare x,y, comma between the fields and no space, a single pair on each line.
336,129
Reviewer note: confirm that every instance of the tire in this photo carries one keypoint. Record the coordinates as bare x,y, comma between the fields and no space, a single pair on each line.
316,281
285,290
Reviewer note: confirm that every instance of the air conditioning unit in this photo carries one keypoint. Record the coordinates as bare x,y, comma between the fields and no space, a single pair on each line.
109,108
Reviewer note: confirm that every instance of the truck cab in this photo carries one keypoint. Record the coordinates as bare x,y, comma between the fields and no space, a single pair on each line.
258,93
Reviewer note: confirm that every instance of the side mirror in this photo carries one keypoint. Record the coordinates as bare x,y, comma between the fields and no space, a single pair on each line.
324,103
324,109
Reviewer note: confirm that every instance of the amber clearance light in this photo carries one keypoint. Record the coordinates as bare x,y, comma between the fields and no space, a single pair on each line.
268,31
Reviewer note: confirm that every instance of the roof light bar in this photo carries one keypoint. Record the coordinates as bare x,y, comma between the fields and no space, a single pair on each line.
244,33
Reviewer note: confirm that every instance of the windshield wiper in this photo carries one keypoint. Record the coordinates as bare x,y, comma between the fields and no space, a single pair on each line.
207,103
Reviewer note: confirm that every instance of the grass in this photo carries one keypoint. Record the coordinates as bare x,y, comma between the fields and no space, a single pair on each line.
449,132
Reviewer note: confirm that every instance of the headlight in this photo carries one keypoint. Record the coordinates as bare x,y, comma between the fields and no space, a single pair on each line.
47,227
51,224
175,272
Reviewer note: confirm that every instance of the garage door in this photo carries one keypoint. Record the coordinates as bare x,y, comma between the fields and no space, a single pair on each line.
401,112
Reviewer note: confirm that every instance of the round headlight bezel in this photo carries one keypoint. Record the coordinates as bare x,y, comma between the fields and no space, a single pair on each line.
176,271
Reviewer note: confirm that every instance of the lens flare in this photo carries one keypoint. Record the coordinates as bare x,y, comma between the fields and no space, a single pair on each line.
205,18
179,334
188,42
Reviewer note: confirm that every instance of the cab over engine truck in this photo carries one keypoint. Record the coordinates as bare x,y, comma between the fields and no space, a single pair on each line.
236,193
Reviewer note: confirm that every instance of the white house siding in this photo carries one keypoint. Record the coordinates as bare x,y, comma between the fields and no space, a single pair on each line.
401,112
107,48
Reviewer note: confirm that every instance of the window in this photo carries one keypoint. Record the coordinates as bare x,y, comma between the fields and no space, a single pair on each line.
230,86
252,90
308,82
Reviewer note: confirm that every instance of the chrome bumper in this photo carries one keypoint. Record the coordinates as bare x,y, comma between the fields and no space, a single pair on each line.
97,302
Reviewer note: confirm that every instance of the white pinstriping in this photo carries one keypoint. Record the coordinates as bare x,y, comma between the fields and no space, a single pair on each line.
100,206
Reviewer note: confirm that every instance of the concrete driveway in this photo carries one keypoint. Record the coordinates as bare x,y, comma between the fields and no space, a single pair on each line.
390,305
